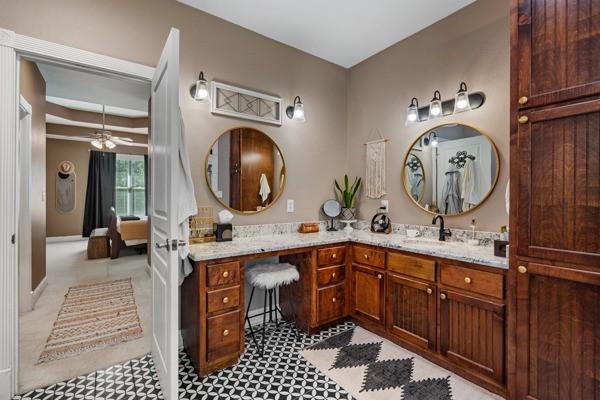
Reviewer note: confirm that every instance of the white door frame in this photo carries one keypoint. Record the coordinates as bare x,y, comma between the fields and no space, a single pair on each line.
12,46
24,205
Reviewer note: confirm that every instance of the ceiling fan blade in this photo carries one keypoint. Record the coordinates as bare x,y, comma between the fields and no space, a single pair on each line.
121,142
123,139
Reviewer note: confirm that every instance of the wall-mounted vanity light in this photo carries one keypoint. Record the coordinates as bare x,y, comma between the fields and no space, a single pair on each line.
296,111
435,105
199,90
412,113
431,139
461,100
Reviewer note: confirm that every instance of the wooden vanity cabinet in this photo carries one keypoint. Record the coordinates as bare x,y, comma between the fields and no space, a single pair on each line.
368,294
412,311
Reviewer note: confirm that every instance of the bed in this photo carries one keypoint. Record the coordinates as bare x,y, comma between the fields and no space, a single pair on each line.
126,232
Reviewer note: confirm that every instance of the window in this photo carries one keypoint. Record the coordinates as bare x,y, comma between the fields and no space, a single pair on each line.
130,185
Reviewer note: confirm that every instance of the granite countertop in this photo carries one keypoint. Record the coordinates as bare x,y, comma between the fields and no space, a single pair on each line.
453,250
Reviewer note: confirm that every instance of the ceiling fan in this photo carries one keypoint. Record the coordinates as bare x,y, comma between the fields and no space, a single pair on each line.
104,139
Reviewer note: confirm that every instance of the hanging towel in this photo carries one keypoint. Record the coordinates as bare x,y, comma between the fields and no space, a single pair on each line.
468,194
186,202
375,182
416,184
265,190
451,193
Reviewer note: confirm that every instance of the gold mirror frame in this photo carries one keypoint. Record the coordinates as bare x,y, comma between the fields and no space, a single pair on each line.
424,177
483,199
282,173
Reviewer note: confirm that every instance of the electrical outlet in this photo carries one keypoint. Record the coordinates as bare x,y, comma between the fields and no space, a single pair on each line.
290,206
386,205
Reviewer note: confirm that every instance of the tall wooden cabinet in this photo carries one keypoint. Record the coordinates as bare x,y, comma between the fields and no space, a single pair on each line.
554,277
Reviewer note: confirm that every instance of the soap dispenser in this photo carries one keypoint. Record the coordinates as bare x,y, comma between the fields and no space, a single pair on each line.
473,241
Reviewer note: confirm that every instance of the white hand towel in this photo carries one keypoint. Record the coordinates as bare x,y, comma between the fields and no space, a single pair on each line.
265,190
186,202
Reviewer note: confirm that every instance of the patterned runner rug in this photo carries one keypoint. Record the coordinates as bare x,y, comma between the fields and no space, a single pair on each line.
93,317
370,367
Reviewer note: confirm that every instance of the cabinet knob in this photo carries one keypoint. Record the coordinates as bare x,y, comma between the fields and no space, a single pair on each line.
226,332
333,275
523,100
225,300
379,276
333,255
467,280
523,119
522,269
429,291
443,296
225,274
366,257
333,300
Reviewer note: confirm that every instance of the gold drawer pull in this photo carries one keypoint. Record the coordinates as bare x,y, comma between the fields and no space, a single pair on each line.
524,119
429,291
333,300
226,332
443,296
523,100
225,274
467,280
333,275
333,255
379,276
522,269
366,257
225,300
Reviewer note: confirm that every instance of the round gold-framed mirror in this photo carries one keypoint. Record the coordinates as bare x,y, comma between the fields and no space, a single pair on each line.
451,169
245,170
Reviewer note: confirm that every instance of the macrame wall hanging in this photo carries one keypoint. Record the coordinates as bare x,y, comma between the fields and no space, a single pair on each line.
65,187
375,174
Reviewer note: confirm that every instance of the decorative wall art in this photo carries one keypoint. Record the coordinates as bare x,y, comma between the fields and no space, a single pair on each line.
65,187
375,164
242,103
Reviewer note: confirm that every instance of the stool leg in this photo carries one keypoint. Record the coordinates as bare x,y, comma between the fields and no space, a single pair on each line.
248,319
264,327
276,306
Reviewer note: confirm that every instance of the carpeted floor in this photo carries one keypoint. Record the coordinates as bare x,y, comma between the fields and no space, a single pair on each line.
67,266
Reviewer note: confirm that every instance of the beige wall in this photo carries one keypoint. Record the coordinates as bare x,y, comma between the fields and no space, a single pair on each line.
33,89
137,29
472,46
71,223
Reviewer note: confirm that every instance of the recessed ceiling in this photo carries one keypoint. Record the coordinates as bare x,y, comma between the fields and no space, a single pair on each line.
53,119
344,32
87,86
96,108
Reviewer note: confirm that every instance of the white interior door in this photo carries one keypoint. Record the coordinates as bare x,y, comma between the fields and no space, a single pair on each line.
164,146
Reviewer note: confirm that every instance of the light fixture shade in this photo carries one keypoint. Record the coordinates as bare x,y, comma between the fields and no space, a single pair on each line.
434,140
412,113
435,106
97,144
461,100
110,144
296,111
201,93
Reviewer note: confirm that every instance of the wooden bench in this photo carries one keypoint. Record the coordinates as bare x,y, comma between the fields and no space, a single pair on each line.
98,244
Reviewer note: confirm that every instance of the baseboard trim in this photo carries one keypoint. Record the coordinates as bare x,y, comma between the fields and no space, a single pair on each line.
37,292
58,239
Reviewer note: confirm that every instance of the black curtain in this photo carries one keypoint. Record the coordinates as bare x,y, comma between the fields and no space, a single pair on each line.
100,194
146,183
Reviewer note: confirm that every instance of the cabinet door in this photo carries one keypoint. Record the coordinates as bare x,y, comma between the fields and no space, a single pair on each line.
368,286
411,311
559,188
472,333
330,303
558,333
558,49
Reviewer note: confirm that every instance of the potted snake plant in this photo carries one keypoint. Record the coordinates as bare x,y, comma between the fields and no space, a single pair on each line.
348,197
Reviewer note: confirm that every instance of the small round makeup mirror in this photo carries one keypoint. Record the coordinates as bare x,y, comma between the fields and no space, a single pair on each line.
332,209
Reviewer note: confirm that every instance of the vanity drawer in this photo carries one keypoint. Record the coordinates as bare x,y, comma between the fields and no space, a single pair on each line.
412,266
330,303
223,299
331,275
223,336
223,274
473,280
331,255
364,255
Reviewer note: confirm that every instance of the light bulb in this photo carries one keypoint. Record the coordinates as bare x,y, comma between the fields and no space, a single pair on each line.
110,145
299,112
461,100
434,141
412,113
201,92
435,106
436,109
97,143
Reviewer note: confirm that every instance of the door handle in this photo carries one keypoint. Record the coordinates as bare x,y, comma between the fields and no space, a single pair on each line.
162,245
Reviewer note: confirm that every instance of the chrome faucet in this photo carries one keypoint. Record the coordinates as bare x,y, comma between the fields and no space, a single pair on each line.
443,232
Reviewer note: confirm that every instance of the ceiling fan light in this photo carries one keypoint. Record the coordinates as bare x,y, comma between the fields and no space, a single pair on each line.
461,100
109,144
97,144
